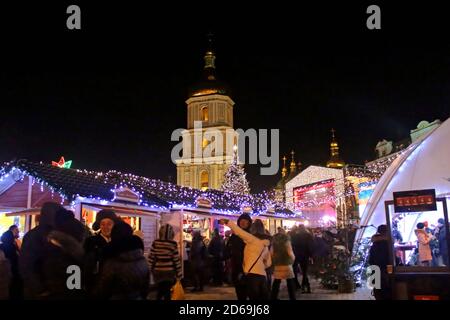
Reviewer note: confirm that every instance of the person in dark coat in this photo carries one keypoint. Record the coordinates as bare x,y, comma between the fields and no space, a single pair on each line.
125,274
236,252
63,248
95,245
215,249
197,258
295,266
379,256
441,235
5,276
32,251
302,244
11,251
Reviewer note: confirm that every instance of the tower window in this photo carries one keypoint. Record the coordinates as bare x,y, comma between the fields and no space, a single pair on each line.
204,113
205,143
204,180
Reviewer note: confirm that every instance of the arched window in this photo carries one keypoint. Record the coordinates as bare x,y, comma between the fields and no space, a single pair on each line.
205,143
204,112
204,180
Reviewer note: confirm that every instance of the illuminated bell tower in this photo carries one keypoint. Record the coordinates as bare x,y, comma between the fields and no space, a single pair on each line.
207,151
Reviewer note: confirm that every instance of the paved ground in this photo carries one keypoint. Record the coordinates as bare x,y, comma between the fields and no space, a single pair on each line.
318,293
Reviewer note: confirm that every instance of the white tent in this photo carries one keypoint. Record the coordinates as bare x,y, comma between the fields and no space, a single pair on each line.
425,164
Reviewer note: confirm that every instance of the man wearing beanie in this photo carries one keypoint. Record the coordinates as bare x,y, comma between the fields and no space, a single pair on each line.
235,251
94,246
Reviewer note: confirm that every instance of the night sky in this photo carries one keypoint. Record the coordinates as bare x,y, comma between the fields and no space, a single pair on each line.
110,95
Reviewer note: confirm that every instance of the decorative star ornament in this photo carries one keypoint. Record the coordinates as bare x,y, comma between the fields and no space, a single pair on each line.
62,163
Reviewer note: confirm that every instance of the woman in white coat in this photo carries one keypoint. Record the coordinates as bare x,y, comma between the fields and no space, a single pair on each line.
257,258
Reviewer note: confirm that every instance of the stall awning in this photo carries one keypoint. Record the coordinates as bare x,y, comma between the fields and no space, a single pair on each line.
122,211
26,212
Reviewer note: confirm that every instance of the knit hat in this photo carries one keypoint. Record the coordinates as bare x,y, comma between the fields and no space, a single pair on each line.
48,212
382,229
65,222
121,231
104,214
245,216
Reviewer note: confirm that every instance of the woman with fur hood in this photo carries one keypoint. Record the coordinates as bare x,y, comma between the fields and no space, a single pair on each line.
282,258
125,274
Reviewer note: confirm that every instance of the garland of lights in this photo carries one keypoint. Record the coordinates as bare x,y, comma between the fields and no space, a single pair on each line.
227,203
185,196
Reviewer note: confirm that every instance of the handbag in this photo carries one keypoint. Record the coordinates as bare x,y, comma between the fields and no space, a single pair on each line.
242,275
177,291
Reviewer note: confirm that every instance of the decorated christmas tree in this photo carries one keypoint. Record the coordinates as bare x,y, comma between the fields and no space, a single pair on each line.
235,178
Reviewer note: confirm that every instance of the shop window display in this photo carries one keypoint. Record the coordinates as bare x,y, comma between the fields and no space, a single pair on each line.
88,217
7,221
420,239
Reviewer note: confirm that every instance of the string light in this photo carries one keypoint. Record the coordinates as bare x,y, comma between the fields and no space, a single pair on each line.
227,203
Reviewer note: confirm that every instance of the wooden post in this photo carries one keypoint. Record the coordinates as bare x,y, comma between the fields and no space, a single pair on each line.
30,191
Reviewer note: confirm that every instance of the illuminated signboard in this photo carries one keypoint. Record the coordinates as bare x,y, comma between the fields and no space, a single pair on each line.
415,201
365,192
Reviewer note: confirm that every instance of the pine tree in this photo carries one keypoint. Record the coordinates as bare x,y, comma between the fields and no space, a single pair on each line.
235,178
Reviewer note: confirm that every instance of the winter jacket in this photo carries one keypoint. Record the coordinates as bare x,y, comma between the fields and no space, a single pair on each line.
424,245
59,251
32,251
254,247
302,245
321,248
31,256
11,251
442,238
164,259
379,252
198,252
282,257
5,276
93,261
235,252
125,274
216,247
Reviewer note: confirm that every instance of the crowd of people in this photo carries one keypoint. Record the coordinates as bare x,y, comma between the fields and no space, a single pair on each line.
112,264
249,258
431,244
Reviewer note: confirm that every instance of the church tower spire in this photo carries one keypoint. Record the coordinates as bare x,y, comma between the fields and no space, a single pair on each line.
284,170
335,161
210,59
204,161
293,166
